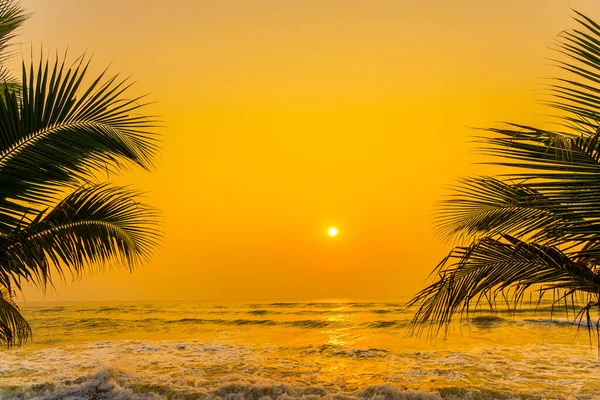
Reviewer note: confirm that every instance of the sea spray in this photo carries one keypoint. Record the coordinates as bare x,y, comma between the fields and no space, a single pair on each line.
289,350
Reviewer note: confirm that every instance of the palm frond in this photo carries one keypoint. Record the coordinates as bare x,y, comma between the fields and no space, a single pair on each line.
56,132
543,154
12,17
489,206
564,169
14,329
491,267
59,132
578,95
93,227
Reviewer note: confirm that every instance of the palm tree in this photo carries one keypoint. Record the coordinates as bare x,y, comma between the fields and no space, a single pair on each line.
536,227
56,135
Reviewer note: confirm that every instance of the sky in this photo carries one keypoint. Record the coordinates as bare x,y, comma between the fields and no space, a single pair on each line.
283,118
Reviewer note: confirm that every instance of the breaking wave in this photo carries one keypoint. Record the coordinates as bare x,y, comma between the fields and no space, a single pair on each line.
388,324
291,350
108,384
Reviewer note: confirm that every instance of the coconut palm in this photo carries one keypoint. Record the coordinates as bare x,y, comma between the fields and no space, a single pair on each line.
57,134
536,227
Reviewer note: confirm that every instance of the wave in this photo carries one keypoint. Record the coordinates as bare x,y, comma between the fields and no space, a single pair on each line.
103,385
90,322
363,305
387,324
558,322
200,369
487,321
108,384
339,351
270,319
309,323
110,309
252,322
321,312
109,323
51,310
327,305
283,305
304,323
262,312
202,321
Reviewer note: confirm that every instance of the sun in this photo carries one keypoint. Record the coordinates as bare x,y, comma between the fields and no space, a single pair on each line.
332,231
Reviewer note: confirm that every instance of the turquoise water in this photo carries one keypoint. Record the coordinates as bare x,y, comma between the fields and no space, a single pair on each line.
285,350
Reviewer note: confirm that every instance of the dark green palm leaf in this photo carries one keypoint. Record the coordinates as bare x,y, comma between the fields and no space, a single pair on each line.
538,225
578,95
490,268
489,206
94,226
60,132
14,329
11,19
56,133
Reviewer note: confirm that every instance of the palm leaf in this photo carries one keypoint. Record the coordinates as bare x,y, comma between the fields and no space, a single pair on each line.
489,206
59,132
94,226
14,329
492,267
12,17
538,225
578,94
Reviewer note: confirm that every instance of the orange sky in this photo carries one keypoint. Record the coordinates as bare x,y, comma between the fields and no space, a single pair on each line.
285,117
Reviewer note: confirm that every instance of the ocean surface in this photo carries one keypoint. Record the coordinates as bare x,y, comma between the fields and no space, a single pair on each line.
287,350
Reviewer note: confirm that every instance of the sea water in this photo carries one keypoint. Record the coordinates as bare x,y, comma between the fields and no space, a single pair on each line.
288,350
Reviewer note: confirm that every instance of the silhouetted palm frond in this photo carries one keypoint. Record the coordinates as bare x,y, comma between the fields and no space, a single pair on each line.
490,268
90,227
538,225
12,17
56,133
60,132
14,329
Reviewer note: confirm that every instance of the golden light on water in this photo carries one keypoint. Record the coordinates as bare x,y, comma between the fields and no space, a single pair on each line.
332,231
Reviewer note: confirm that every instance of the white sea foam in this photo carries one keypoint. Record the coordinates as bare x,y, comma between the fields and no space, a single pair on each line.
107,384
342,351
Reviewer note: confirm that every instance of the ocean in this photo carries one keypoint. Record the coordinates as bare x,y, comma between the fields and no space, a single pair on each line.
288,350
